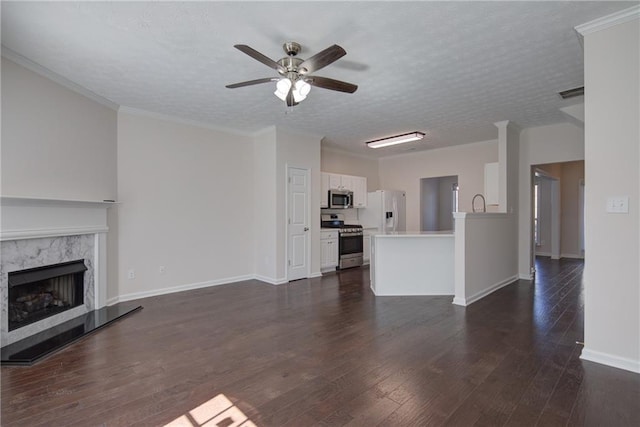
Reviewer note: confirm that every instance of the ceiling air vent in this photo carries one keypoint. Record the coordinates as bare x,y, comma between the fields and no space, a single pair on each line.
572,93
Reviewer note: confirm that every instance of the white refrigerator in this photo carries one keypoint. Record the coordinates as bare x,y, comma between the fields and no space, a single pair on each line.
385,211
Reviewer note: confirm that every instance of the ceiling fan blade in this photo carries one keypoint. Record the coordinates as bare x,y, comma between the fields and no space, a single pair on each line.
321,59
252,82
260,57
331,84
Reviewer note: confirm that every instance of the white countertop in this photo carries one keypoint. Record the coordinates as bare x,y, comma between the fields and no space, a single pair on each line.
414,234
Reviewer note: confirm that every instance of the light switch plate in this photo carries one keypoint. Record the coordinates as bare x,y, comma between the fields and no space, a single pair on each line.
618,204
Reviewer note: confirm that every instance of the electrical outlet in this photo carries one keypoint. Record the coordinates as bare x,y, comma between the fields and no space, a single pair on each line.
131,274
618,204
162,269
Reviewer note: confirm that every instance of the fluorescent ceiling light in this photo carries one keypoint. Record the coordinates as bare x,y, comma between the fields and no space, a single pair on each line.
393,140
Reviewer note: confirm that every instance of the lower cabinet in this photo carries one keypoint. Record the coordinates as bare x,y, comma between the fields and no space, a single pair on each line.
329,251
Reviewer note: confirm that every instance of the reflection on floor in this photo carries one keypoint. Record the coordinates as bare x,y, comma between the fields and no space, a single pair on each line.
218,411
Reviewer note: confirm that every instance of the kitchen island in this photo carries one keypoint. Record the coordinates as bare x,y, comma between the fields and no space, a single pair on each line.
412,263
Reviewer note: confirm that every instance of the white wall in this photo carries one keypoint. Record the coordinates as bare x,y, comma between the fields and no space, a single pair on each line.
56,143
342,162
612,135
187,204
403,172
538,145
301,151
264,209
481,240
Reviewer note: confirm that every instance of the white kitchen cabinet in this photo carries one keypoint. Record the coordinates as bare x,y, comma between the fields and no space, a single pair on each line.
329,255
346,182
491,183
359,192
334,181
366,247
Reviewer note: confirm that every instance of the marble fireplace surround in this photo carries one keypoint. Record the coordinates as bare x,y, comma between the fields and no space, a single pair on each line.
36,232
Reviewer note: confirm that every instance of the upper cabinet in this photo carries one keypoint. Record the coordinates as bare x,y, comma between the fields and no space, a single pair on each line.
359,192
334,181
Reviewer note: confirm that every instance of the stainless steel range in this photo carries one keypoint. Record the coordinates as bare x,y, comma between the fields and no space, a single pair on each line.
350,238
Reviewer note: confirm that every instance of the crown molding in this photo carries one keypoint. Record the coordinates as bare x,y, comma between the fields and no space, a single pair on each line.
437,149
63,81
608,21
264,131
337,150
57,78
289,130
507,124
167,118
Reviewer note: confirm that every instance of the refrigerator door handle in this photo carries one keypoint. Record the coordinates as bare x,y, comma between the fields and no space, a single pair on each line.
395,214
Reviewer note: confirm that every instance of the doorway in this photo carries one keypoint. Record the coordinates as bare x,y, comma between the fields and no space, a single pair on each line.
546,216
438,201
558,210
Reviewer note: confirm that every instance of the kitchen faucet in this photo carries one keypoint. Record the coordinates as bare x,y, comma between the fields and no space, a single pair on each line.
473,203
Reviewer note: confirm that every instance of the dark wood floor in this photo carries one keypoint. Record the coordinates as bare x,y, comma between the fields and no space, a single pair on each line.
327,352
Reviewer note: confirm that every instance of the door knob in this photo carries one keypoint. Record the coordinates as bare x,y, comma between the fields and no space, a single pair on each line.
306,229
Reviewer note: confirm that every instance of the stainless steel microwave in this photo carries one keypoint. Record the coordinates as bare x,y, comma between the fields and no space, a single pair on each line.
340,199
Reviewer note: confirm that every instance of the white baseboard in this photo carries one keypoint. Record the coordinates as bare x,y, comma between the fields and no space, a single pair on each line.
188,287
270,280
459,301
473,298
526,276
572,256
543,253
611,360
173,289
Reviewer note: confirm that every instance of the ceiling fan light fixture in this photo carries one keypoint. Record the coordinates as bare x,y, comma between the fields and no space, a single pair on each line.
282,88
301,90
397,139
295,70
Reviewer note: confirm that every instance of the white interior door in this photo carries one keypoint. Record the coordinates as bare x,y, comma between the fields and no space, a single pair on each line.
298,238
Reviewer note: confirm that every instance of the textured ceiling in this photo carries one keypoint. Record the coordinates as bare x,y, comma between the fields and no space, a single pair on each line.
449,69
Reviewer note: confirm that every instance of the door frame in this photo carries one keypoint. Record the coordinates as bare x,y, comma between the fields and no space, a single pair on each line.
555,225
288,167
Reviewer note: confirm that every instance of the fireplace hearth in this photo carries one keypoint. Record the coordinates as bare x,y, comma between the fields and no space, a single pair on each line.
38,293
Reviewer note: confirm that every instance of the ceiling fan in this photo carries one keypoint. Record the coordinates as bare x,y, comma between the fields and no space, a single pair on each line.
295,82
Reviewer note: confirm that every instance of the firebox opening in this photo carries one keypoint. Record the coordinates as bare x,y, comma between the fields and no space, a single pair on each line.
38,293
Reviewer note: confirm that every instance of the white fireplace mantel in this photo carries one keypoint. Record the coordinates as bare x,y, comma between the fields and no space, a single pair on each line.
31,218
24,219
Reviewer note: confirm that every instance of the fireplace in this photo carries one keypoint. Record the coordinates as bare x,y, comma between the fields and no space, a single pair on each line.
38,293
